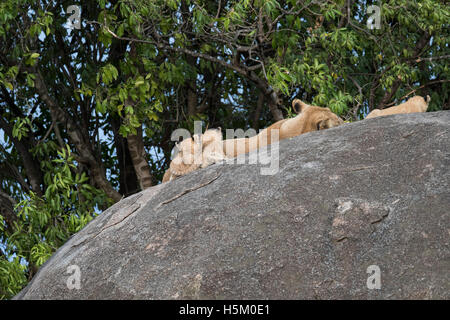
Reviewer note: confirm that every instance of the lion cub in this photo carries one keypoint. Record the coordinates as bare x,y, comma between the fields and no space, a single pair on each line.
197,152
309,118
414,104
212,147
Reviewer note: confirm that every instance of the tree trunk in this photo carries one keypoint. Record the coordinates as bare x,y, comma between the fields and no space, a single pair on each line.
274,106
138,156
7,210
259,107
274,101
33,171
84,148
127,175
191,101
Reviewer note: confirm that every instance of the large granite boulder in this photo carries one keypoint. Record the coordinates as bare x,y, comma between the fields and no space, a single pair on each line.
360,211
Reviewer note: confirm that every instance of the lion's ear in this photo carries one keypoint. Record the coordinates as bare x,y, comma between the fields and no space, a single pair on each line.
299,106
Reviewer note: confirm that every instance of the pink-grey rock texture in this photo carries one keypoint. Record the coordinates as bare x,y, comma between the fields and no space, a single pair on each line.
374,192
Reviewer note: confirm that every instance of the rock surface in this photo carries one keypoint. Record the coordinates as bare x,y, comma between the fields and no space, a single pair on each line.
374,192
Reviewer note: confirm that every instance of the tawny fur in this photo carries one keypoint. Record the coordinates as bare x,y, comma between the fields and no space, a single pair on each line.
212,147
414,104
194,153
167,176
309,118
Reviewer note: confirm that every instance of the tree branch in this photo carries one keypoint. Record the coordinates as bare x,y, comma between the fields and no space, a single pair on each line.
421,87
83,147
419,47
270,93
32,168
7,204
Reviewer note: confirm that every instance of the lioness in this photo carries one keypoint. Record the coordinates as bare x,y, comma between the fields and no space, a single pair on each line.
415,104
183,162
309,118
212,147
194,153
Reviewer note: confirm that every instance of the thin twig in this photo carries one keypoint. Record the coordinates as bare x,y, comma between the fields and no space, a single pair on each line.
48,132
433,58
160,45
422,86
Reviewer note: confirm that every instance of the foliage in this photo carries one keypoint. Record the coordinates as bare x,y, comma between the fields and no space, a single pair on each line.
45,223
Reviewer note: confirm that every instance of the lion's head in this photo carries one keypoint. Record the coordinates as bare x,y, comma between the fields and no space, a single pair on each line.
187,156
210,136
314,117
